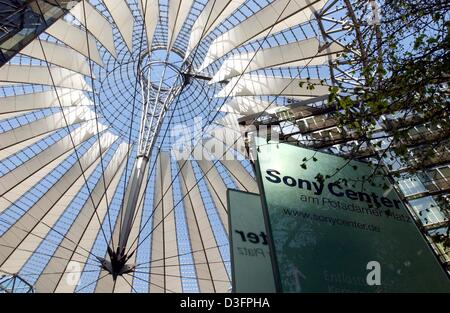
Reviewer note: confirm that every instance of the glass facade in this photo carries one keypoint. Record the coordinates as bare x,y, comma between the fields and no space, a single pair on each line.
22,21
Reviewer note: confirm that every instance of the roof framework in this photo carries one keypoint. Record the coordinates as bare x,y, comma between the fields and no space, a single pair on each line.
76,112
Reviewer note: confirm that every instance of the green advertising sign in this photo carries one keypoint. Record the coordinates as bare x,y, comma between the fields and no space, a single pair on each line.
337,227
250,258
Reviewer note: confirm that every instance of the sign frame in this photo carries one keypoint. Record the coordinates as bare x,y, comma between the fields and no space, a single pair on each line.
275,261
230,237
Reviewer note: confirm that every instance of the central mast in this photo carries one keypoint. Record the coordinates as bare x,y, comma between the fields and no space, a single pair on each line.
161,80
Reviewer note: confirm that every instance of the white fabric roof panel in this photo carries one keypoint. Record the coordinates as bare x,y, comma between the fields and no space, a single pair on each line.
44,99
247,106
219,148
211,272
105,283
75,38
96,24
6,116
124,284
240,176
165,275
217,189
178,11
281,13
224,141
12,193
23,252
34,215
93,210
253,85
230,120
302,53
88,239
121,286
7,152
44,125
150,11
46,156
224,31
58,55
214,149
71,115
215,12
19,190
41,75
123,19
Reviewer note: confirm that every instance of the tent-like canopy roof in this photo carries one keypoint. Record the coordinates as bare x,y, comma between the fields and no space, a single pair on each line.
70,123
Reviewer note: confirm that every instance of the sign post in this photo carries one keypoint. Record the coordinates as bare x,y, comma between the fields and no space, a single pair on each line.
339,227
250,258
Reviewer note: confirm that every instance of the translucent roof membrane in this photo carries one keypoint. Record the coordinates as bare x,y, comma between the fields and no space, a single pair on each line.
74,124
